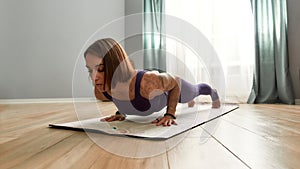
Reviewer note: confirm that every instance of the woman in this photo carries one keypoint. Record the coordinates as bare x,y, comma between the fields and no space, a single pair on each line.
138,92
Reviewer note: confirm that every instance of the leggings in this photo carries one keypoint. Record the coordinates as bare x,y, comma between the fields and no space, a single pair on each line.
189,91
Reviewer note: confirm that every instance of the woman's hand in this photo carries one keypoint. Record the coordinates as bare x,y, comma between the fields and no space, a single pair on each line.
165,121
117,117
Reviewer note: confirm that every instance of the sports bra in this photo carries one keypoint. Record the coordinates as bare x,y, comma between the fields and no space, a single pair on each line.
139,105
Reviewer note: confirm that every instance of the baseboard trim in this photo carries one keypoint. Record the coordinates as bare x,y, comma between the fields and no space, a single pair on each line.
46,100
297,101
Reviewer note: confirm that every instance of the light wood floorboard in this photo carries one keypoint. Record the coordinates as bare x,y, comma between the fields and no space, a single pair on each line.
262,136
253,136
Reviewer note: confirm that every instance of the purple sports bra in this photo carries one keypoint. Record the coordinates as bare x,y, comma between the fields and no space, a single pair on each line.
139,105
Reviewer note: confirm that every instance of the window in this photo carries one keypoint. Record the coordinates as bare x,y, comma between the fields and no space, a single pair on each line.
228,26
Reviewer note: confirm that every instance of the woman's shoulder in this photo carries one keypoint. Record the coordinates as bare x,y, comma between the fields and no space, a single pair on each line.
150,82
157,80
151,74
153,78
155,73
146,76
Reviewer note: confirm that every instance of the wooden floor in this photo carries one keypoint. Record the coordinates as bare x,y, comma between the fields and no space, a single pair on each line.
253,136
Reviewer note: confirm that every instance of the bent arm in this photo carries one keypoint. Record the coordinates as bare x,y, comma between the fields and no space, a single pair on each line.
162,82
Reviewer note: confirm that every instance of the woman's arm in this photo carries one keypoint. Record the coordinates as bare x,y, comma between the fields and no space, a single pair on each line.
118,116
154,84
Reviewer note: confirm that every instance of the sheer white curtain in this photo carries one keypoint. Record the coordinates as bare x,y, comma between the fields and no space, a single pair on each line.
228,26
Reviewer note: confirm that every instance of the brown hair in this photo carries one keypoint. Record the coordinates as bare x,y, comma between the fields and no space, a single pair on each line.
113,55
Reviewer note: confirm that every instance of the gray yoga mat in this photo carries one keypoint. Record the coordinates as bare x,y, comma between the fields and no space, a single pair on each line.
141,126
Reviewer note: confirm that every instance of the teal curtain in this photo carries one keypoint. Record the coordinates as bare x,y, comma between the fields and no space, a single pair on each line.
272,80
154,35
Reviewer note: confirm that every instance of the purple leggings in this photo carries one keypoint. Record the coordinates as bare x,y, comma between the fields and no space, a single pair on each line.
189,91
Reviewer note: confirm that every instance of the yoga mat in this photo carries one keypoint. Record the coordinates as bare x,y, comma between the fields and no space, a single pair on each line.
141,126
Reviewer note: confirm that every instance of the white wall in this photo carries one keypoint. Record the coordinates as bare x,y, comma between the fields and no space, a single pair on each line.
294,41
40,41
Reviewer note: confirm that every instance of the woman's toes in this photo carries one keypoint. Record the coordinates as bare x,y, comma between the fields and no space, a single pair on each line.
191,103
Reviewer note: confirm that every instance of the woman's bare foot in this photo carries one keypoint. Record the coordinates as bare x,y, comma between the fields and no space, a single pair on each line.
215,99
216,104
191,103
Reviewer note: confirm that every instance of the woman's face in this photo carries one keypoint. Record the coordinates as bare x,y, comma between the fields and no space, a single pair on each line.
95,68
